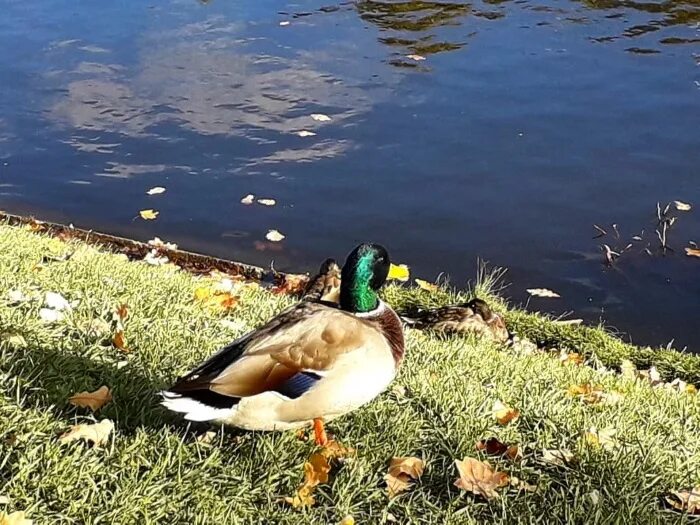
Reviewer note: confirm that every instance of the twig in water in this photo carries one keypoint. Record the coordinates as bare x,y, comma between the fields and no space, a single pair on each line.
609,254
601,231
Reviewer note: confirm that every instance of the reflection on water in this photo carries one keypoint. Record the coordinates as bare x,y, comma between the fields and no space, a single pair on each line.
492,128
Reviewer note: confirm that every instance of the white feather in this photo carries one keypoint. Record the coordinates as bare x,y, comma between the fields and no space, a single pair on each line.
193,410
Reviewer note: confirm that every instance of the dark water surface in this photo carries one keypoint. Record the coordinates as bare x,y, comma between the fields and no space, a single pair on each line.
527,122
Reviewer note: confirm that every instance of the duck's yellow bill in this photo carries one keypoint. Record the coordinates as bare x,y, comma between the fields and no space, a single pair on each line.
399,272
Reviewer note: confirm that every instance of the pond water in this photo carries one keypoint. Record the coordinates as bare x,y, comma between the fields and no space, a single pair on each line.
500,130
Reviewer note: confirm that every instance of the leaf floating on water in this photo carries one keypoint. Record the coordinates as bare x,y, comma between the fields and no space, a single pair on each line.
417,58
149,214
285,23
305,133
682,206
503,413
274,236
157,190
692,252
399,272
320,117
248,199
427,286
92,400
267,202
402,472
542,292
96,433
687,500
479,478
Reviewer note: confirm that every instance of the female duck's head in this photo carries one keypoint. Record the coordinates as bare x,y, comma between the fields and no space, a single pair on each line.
364,272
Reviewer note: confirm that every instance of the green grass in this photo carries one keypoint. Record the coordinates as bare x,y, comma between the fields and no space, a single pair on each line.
155,471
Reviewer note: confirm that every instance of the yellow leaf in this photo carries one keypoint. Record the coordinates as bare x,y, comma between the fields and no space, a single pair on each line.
214,298
149,214
347,520
570,358
16,518
119,342
402,471
303,498
97,433
687,500
604,438
503,413
588,392
92,400
399,272
479,478
427,286
316,471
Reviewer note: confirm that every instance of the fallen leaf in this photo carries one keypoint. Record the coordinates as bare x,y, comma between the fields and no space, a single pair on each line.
122,311
50,316
248,199
594,496
567,322
320,117
493,447
96,433
302,498
347,520
336,450
427,286
267,202
305,133
292,283
16,518
503,413
316,471
274,236
92,400
56,301
402,471
692,252
285,23
399,272
215,299
417,58
686,500
521,485
119,342
157,190
557,456
156,242
570,357
149,214
542,292
587,392
479,478
155,259
682,206
16,296
206,438
604,438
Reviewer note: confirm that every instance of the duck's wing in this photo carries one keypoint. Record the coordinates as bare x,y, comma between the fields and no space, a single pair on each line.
287,355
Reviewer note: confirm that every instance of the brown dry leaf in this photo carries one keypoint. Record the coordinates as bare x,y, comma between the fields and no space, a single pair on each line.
570,358
16,518
402,471
686,500
493,447
119,342
427,286
503,413
479,477
542,292
587,392
97,433
122,312
149,214
522,485
92,400
692,252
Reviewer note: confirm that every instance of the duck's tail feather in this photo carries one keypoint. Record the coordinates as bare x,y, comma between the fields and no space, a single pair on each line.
200,407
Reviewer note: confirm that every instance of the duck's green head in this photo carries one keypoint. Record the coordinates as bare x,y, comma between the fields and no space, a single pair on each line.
364,272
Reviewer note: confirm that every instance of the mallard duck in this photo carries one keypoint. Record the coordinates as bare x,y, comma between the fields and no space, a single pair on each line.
474,316
325,286
313,362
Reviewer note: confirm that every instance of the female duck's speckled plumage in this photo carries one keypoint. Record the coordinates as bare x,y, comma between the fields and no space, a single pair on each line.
474,316
314,360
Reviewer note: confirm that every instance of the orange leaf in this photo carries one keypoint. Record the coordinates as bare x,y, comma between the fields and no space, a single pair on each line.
403,470
503,413
92,400
692,252
119,342
478,477
122,311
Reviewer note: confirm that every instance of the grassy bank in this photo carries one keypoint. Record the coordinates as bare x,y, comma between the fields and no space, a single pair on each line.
155,470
